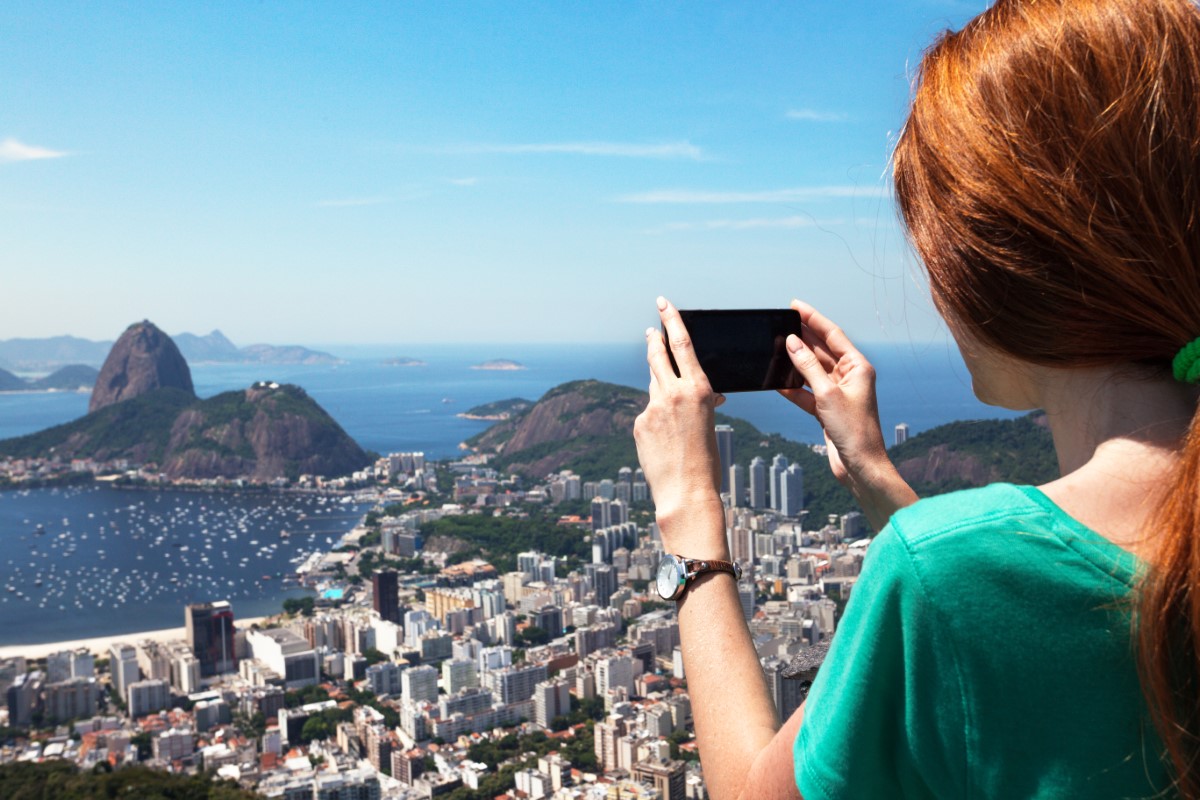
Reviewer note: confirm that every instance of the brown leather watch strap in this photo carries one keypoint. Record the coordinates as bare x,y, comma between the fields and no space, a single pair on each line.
701,566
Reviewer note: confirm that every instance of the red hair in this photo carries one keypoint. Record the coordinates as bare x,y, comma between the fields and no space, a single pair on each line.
1049,178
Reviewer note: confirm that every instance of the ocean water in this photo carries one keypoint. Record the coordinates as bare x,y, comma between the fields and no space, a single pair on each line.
117,561
389,409
95,561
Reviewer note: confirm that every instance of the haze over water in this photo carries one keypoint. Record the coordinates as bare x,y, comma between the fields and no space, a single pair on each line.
388,409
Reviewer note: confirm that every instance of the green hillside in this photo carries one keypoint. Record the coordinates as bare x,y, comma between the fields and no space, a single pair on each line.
139,428
954,456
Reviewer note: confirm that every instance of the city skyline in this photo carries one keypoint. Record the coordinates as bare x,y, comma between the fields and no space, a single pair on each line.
310,175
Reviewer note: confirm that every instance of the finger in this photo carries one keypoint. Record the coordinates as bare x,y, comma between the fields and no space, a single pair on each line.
807,364
656,356
718,400
837,342
681,341
817,345
802,398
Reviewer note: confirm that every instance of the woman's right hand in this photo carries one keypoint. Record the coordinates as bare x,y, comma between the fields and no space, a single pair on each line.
841,395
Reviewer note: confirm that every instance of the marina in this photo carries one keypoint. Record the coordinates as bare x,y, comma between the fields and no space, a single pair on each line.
93,561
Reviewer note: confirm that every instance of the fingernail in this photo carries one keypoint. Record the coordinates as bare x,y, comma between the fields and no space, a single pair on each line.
793,343
662,303
649,332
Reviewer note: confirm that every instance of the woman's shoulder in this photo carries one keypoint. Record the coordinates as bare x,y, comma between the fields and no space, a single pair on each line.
997,527
968,511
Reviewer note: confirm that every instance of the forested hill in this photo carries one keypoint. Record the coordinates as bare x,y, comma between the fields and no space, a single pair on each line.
587,426
977,452
266,431
73,378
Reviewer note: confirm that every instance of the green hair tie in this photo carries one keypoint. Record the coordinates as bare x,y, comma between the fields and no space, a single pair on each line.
1186,365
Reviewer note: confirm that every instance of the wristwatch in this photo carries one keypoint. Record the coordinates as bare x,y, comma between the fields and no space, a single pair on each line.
676,572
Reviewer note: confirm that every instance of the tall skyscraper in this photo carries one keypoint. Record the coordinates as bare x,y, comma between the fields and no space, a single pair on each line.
737,486
901,433
725,453
601,513
778,465
791,491
758,483
210,635
604,582
386,596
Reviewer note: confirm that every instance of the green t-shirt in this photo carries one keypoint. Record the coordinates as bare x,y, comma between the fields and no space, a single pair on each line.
985,652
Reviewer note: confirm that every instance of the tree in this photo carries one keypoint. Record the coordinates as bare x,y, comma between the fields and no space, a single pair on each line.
253,726
315,727
301,605
533,635
302,697
142,743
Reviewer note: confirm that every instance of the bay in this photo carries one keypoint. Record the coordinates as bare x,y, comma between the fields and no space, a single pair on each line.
391,408
96,561
117,561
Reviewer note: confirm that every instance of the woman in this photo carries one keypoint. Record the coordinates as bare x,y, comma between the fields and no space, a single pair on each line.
1005,641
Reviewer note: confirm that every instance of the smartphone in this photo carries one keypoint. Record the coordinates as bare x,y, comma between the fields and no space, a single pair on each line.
743,350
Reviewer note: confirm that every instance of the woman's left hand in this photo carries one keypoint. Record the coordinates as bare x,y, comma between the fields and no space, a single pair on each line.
676,442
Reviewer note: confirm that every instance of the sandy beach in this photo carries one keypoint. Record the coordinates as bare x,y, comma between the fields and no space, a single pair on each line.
100,644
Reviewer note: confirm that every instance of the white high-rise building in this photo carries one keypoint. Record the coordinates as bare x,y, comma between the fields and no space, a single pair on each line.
516,683
287,654
420,683
615,672
122,663
758,483
67,664
146,697
791,482
551,699
458,675
779,465
901,433
737,486
384,678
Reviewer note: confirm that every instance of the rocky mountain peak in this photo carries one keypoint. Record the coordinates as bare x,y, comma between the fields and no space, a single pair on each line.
142,360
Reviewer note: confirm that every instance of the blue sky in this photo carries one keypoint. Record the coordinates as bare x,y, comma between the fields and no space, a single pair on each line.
414,172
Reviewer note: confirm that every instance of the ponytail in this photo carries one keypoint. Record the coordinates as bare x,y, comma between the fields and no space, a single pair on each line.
1167,620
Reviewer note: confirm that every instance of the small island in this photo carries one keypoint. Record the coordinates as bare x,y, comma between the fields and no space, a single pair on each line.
73,378
497,410
404,362
500,364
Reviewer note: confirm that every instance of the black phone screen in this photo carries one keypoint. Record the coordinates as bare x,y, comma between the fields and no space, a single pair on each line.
742,350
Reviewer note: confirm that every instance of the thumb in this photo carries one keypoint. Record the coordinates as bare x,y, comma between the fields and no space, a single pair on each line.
808,365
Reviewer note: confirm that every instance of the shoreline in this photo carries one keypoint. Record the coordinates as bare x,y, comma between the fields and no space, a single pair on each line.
99,645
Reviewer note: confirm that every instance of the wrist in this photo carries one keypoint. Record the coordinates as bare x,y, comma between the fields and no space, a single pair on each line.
882,492
695,529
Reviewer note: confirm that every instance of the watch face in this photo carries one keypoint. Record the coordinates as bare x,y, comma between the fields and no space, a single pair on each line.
670,577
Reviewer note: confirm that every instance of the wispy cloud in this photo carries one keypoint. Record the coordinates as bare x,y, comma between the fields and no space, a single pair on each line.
758,223
692,196
351,202
665,150
13,150
464,181
814,115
